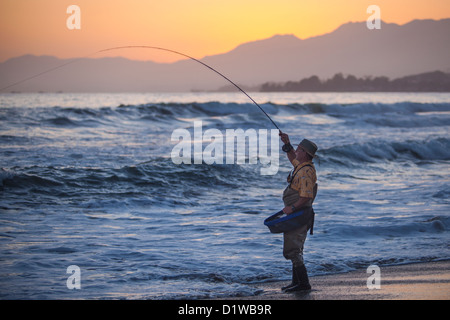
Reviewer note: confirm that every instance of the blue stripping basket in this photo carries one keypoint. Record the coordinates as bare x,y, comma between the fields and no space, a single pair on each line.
280,222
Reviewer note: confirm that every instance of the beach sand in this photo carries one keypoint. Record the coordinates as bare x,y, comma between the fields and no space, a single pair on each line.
418,281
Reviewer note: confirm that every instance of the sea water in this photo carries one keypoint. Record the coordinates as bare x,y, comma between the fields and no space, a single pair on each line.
87,180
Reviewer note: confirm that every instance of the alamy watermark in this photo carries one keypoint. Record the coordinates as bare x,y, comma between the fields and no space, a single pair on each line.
374,280
374,20
74,280
73,22
234,146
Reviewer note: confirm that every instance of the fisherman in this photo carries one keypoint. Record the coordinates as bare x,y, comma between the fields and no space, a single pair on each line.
299,195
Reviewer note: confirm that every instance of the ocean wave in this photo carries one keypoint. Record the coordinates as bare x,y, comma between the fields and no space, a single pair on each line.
405,114
155,174
161,172
5,175
396,115
430,149
390,229
214,108
367,108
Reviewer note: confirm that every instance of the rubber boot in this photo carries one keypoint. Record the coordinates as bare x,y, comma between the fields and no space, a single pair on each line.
303,281
294,282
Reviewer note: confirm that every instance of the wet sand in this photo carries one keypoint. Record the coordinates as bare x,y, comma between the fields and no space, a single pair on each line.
419,281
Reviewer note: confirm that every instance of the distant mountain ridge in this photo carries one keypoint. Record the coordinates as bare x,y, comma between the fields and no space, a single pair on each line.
394,51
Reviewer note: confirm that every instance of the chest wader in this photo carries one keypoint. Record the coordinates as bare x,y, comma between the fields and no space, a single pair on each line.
291,196
295,239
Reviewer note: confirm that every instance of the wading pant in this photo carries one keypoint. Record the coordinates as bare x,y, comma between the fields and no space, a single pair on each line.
294,239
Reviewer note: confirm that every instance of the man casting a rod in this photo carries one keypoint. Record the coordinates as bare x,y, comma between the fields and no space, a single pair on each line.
299,195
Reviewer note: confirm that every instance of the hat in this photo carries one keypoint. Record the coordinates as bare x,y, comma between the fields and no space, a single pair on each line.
309,147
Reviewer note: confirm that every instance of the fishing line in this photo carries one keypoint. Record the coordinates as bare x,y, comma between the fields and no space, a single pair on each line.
146,47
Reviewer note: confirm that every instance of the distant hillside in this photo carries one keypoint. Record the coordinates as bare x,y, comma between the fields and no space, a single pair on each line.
425,82
393,51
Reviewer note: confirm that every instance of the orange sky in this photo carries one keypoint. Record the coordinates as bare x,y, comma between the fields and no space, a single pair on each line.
196,27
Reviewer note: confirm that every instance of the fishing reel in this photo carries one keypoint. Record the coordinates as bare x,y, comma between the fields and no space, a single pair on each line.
287,147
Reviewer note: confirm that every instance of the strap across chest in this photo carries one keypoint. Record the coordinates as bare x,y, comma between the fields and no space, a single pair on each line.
295,173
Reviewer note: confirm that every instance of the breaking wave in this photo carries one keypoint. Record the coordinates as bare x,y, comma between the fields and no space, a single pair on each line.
430,149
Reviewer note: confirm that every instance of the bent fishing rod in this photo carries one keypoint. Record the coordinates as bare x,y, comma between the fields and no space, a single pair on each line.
145,47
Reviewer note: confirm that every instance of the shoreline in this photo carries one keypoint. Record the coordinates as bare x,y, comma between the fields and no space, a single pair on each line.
415,281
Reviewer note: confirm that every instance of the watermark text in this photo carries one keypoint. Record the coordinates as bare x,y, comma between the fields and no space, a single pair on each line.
74,280
374,20
73,22
235,146
374,280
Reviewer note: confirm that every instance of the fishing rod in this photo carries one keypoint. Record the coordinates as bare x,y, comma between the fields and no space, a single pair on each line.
145,47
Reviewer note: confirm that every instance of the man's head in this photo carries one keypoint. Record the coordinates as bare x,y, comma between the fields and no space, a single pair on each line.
306,150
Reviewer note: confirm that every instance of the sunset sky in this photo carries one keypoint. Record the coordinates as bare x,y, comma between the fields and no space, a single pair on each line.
196,27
